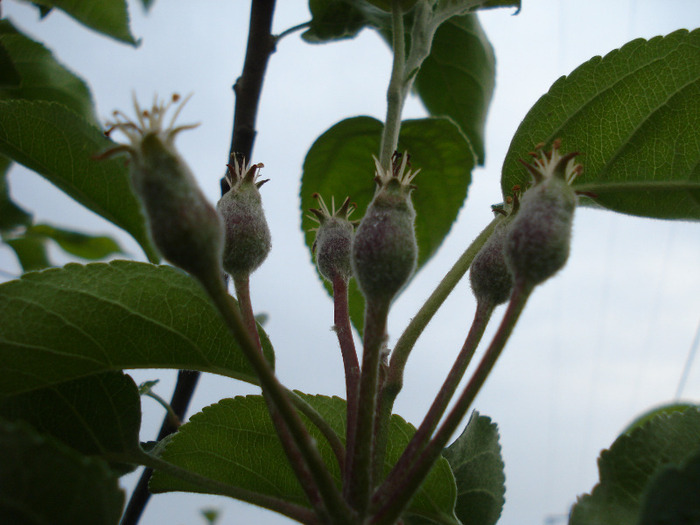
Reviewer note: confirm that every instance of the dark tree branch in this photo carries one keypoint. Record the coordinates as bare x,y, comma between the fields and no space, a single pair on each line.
261,44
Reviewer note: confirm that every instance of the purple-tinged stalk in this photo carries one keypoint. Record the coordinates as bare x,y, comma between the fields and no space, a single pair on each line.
384,253
492,285
332,249
391,499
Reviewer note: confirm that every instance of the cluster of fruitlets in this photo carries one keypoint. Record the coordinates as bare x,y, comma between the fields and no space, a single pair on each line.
532,242
527,247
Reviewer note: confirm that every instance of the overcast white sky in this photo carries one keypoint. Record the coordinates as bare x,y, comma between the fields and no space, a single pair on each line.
604,340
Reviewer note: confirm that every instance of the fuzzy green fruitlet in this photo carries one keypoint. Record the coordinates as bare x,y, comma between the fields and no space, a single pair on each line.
489,275
333,239
247,235
538,239
384,250
184,226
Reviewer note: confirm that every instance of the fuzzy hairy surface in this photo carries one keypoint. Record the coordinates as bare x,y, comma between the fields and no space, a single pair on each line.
246,233
333,245
538,240
384,250
489,275
184,226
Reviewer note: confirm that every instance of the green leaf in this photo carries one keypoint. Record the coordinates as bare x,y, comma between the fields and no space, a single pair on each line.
30,245
43,77
9,76
66,323
658,411
634,116
627,468
92,247
43,10
147,4
475,458
340,19
43,481
340,163
11,215
109,17
31,253
234,442
473,5
457,79
333,20
672,496
96,415
59,145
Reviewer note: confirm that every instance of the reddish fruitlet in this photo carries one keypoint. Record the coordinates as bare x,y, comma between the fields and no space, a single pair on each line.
538,239
489,276
333,238
247,235
184,226
384,249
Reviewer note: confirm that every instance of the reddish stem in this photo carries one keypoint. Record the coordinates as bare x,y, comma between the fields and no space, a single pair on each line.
437,409
343,329
393,498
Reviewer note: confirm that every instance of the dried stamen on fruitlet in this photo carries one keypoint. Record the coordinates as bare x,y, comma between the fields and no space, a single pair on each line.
323,213
239,172
549,164
147,121
399,164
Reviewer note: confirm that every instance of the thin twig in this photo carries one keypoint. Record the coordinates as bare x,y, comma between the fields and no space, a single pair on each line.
343,330
248,87
393,498
360,475
295,456
439,405
291,30
332,499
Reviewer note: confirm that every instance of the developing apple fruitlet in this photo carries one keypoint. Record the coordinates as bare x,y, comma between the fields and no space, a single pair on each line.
489,276
384,249
247,235
538,239
333,239
183,225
